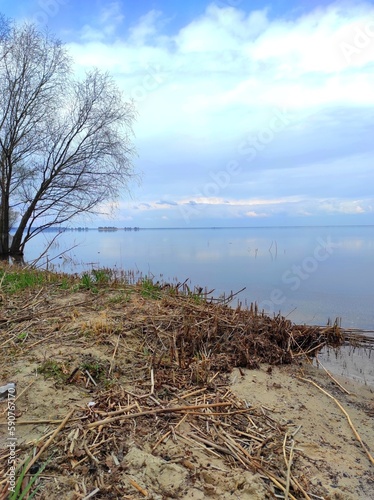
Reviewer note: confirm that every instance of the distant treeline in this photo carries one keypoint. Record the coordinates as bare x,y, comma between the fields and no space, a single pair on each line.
113,228
100,228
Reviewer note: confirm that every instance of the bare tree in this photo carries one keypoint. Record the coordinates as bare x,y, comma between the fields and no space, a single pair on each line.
4,26
65,145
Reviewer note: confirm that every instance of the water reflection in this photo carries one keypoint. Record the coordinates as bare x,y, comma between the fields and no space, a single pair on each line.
351,362
309,274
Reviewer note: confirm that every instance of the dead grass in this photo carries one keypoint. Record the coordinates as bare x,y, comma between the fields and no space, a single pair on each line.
144,366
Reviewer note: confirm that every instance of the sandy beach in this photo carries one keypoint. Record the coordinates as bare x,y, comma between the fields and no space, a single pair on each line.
111,417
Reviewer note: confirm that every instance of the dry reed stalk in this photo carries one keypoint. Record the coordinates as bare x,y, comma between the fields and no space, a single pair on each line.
73,435
4,492
92,494
172,409
303,353
92,457
162,438
289,479
277,482
7,341
288,462
246,434
47,421
235,454
167,434
144,396
53,334
90,378
249,460
176,332
194,442
216,413
45,446
207,442
253,462
346,415
114,355
100,443
117,412
189,394
138,487
334,379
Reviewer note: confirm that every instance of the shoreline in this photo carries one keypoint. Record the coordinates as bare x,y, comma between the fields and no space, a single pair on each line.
115,363
266,262
351,362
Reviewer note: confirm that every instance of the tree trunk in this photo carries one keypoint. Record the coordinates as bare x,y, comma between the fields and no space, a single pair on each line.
4,225
64,143
17,245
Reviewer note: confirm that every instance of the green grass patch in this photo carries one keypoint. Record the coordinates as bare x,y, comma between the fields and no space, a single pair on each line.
65,283
87,282
28,491
94,279
52,369
14,281
21,337
149,290
96,369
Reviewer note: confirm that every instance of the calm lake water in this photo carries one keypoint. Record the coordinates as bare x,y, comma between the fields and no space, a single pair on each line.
310,274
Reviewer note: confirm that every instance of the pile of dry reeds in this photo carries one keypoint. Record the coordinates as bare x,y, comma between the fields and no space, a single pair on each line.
183,345
92,443
204,337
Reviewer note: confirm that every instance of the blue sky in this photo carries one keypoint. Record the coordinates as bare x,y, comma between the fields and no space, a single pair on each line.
251,113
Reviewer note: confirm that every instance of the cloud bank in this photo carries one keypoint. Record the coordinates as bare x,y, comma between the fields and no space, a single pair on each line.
245,116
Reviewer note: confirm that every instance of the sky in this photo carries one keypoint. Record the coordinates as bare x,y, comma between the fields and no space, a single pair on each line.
250,113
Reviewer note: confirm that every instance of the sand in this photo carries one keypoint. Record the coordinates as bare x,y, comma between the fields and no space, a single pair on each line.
333,441
331,456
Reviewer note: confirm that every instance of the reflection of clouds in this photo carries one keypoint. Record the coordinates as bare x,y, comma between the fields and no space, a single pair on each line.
207,256
107,247
355,244
225,260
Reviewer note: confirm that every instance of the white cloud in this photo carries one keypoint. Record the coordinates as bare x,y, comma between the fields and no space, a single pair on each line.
346,206
146,28
218,81
109,19
252,213
200,209
220,29
111,14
